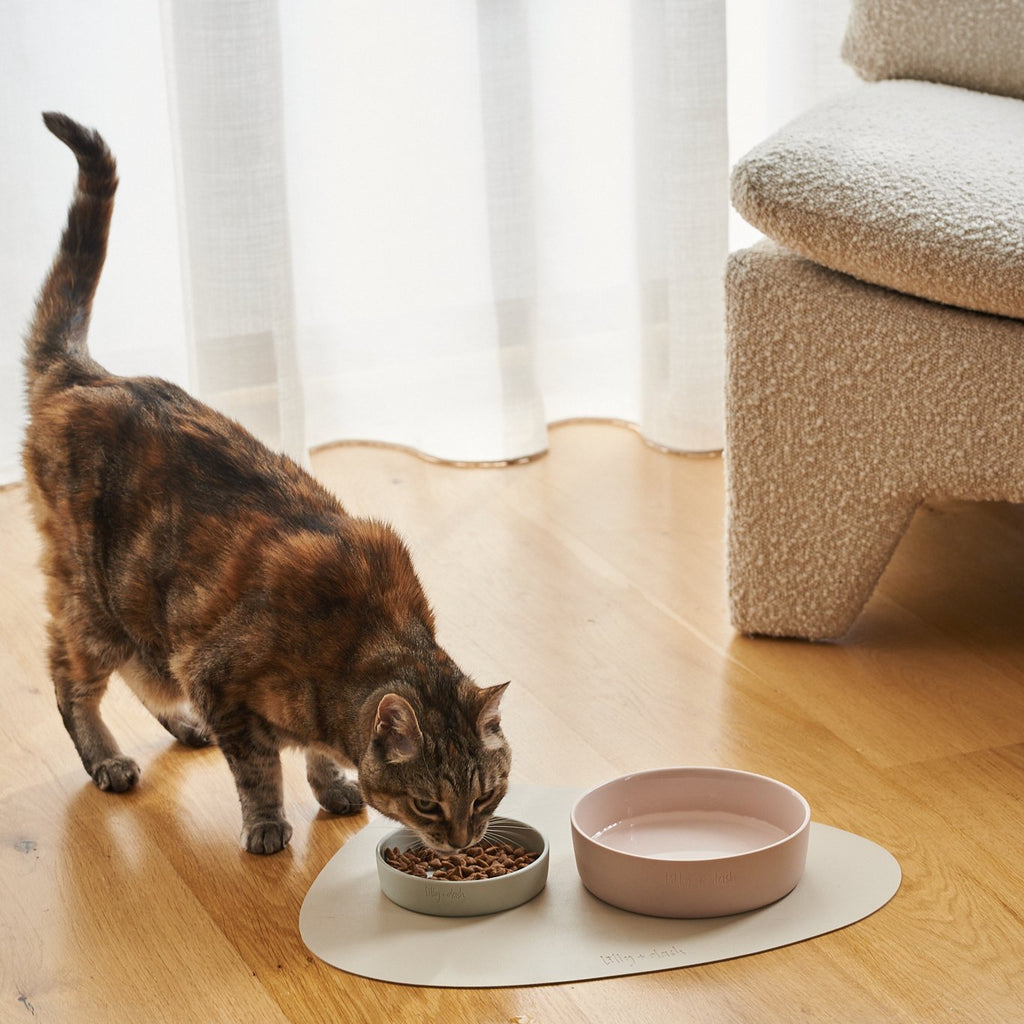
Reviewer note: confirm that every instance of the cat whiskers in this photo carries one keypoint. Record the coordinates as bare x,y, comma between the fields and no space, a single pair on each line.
505,830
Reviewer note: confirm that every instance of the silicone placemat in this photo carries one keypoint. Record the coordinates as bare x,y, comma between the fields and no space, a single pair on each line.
565,934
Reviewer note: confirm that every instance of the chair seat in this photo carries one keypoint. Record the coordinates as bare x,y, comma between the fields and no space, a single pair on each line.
914,186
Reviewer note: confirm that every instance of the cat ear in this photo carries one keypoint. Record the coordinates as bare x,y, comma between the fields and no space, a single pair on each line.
396,727
488,720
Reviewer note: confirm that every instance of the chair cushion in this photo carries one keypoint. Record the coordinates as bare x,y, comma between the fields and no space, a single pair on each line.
976,44
910,185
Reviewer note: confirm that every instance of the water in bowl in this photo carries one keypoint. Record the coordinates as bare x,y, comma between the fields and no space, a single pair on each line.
689,835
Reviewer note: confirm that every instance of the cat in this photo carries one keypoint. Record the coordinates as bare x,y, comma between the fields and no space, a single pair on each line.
229,589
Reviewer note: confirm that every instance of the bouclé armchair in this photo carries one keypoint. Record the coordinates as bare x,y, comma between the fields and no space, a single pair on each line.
876,337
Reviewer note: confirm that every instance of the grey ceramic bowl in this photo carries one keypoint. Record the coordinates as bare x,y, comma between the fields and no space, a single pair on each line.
465,898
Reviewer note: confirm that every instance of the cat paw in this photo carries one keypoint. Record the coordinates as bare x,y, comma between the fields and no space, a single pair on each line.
342,797
189,731
116,774
266,836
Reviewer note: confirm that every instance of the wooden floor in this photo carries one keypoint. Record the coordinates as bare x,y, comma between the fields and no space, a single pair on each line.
593,578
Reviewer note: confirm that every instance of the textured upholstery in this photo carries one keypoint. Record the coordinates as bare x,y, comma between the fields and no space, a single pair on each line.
976,44
909,185
848,405
876,342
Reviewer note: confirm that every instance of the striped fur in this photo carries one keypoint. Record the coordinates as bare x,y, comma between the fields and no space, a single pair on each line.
229,589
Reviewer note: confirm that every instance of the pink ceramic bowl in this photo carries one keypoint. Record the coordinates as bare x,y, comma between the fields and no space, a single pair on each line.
690,842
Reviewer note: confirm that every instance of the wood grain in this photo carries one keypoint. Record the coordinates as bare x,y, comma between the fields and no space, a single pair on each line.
593,578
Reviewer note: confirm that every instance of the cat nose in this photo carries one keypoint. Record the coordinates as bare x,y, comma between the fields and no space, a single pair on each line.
459,835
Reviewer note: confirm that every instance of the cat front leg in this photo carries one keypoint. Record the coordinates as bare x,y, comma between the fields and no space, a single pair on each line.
334,792
253,754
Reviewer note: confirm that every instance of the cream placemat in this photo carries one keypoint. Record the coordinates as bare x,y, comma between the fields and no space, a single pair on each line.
565,934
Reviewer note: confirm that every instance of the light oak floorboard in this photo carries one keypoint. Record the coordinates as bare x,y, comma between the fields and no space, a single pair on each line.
593,578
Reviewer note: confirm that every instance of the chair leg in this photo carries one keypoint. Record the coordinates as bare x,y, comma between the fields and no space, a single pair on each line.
805,551
818,490
847,405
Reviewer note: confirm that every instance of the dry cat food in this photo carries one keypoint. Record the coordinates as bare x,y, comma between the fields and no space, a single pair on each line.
472,864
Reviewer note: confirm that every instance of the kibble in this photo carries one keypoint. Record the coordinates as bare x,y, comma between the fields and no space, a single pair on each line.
472,864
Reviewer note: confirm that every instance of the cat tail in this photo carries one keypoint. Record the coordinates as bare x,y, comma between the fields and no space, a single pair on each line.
58,331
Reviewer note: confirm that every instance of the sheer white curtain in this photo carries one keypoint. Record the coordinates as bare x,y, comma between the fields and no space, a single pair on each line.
443,225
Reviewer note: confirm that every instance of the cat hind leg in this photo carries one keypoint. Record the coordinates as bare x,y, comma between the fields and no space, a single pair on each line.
166,702
80,675
187,729
334,792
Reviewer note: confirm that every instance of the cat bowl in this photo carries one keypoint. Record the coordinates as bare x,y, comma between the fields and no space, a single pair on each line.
690,842
465,897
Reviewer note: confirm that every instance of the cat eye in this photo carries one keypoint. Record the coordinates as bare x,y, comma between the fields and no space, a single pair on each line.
483,799
428,808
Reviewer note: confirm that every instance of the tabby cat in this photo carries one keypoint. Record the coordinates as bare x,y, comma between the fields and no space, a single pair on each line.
230,590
